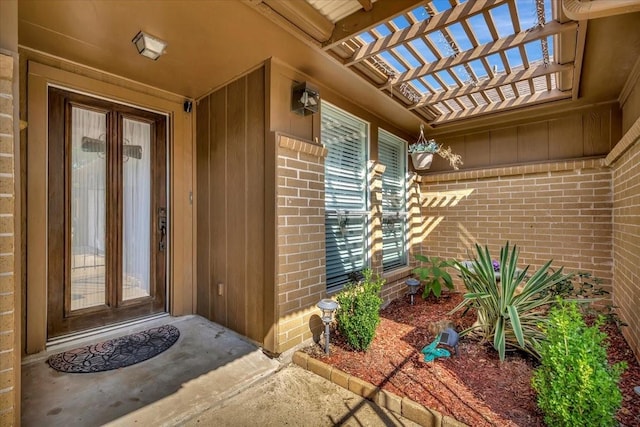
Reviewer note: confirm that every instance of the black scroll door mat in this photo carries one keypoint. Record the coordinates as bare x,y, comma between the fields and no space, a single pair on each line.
116,353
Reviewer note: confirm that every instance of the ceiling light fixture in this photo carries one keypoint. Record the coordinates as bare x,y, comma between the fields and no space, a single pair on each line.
149,46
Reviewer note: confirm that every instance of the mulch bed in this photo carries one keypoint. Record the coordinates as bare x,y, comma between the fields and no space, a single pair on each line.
474,387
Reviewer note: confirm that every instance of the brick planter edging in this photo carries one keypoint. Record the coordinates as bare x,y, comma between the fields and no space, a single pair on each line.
400,405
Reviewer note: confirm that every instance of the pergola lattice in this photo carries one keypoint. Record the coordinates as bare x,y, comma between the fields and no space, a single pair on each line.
449,60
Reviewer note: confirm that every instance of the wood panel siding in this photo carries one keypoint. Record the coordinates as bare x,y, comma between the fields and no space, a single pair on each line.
231,206
590,132
203,207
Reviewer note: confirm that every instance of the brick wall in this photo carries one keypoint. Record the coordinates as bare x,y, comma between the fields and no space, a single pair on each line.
559,211
9,355
626,243
300,267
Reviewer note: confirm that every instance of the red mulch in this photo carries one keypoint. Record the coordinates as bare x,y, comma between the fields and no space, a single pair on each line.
475,387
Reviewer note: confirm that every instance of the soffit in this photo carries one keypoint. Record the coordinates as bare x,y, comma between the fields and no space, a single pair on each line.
335,10
213,42
209,44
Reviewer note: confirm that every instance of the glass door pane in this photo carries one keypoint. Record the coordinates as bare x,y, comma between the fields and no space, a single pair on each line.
136,210
87,203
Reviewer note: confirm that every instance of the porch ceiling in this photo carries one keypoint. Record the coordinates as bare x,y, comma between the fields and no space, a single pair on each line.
448,63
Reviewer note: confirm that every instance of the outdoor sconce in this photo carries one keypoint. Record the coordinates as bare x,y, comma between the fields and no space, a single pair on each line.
327,306
413,285
304,99
149,46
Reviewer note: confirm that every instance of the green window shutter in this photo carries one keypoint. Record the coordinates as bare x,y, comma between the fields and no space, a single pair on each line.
393,154
346,218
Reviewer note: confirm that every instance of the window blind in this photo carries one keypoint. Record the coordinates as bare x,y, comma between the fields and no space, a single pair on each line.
346,219
392,154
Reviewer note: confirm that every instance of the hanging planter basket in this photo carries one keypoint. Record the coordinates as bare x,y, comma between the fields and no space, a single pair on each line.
422,161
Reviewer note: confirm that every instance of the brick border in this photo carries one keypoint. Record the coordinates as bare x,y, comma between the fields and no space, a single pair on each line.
300,146
400,405
509,171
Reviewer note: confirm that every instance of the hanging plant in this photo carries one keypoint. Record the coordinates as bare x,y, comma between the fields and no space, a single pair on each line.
422,152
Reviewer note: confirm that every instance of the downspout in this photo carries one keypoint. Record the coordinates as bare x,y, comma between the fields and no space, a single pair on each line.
579,10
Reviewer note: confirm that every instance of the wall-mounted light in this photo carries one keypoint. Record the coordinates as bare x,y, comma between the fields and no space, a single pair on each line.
305,99
149,46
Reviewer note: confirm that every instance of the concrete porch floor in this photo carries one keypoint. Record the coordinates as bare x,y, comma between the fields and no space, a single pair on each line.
211,376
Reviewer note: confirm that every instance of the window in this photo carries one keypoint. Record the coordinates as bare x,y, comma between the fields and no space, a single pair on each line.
346,207
392,154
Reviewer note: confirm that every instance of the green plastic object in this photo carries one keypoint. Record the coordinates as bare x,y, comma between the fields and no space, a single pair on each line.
432,352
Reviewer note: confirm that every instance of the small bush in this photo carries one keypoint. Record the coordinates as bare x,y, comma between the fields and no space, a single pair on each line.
575,384
359,313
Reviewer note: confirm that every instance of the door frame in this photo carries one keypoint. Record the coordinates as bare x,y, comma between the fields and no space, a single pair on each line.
180,149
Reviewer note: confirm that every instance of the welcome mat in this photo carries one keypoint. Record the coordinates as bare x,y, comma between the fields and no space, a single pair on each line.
116,353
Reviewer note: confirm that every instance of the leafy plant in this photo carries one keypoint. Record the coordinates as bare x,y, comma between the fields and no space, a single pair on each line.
579,285
575,385
509,306
358,315
433,275
584,286
430,146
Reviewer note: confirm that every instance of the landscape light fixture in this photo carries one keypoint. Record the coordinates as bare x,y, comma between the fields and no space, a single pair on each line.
413,285
450,337
149,46
327,306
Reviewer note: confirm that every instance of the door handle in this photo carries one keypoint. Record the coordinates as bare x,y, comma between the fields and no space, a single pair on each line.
162,226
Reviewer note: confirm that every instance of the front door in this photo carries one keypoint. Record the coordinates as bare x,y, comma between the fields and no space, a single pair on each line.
107,215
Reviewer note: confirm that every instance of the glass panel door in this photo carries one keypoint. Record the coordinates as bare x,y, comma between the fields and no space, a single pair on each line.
107,213
88,198
136,212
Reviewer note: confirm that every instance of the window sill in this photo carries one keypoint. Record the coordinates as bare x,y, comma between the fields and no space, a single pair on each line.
397,274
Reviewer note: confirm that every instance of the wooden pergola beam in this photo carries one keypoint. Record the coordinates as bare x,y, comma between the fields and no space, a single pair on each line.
360,21
522,75
439,21
487,49
366,5
506,105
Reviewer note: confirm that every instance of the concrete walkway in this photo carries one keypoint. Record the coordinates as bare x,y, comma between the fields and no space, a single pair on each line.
211,376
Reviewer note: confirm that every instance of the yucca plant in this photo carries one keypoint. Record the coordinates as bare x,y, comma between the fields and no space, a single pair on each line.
510,306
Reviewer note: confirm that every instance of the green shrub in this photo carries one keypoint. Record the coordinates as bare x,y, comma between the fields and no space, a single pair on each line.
510,306
359,313
433,275
575,385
